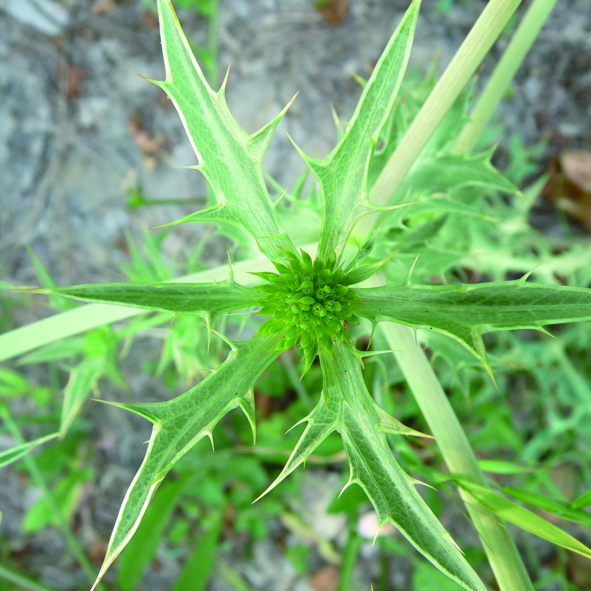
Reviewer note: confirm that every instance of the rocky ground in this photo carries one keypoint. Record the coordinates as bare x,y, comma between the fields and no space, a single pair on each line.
79,128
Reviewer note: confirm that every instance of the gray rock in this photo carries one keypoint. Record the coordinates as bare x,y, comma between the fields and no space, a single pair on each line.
46,16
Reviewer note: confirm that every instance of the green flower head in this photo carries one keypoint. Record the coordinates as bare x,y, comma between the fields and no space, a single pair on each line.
310,302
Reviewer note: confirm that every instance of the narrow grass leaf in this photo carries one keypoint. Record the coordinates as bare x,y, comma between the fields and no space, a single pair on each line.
80,384
563,510
197,572
16,453
583,501
521,517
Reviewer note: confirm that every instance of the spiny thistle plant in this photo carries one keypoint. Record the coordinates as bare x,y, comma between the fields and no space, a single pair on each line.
384,186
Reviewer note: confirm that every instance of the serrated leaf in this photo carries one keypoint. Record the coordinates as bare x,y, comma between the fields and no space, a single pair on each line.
464,312
181,422
204,299
439,203
228,157
374,468
321,422
523,518
141,550
343,173
346,406
409,239
388,424
444,173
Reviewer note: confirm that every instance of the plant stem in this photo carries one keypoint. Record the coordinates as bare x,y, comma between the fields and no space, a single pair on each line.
463,66
455,448
500,548
20,581
33,469
504,72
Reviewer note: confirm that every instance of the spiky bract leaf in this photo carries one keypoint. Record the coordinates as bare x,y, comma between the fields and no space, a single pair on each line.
229,158
346,406
464,312
180,423
204,299
342,175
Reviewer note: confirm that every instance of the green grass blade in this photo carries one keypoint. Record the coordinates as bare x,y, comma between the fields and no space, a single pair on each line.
141,550
583,501
17,452
21,581
197,572
80,384
562,510
523,518
350,554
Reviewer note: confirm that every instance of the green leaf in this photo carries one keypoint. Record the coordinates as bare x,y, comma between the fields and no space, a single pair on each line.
563,510
464,312
374,468
80,384
583,501
46,281
426,578
346,406
16,453
441,174
66,497
503,467
321,422
12,383
181,422
342,175
523,518
197,572
204,299
65,324
141,550
56,351
228,157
